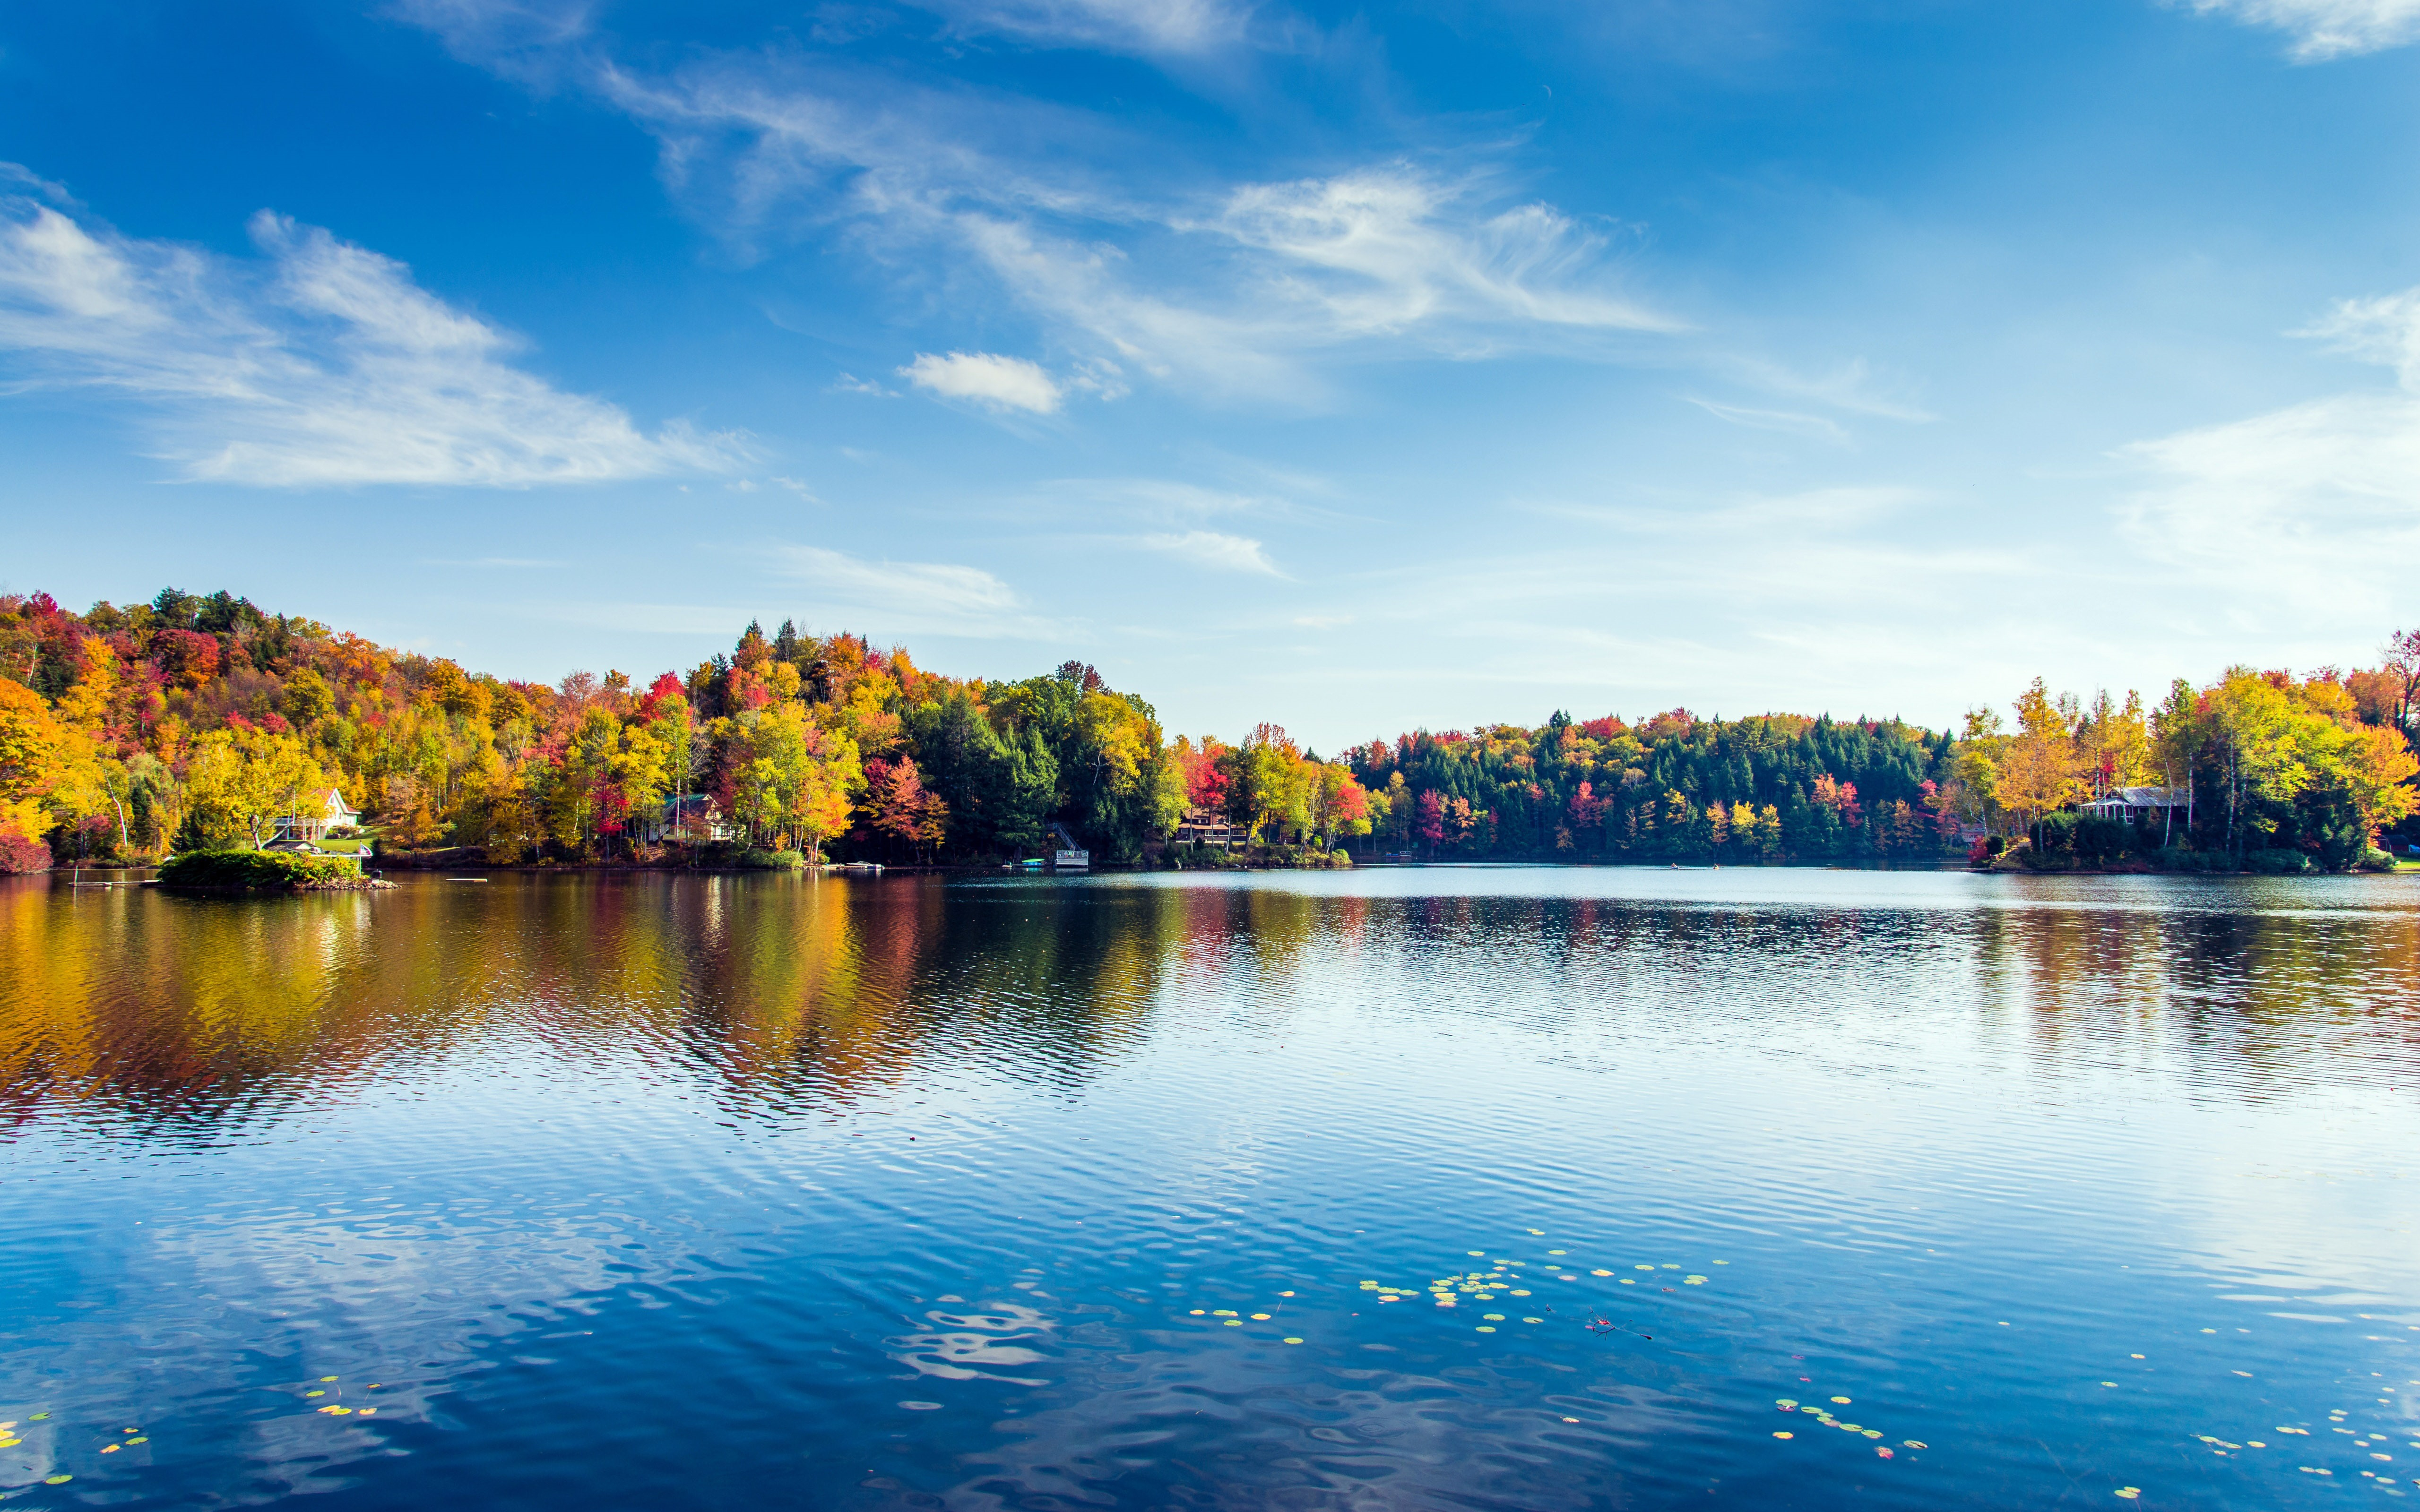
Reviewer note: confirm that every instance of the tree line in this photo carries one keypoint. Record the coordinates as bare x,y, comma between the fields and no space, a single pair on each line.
198,722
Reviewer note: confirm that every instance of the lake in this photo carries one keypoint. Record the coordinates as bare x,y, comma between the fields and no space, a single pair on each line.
1448,1187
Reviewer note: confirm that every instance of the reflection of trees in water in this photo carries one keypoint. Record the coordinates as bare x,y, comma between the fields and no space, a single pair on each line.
2261,991
183,1012
788,995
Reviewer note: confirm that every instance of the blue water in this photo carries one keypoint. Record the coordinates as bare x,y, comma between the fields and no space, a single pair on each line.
721,1192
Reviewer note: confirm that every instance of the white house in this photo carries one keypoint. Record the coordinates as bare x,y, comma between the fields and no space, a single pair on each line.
316,815
2137,803
689,820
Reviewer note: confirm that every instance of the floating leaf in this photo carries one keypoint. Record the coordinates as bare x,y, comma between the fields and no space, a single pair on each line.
56,1480
1293,1341
109,1448
1486,1328
1235,1322
1785,1434
1600,1273
1840,1401
315,1394
1262,1318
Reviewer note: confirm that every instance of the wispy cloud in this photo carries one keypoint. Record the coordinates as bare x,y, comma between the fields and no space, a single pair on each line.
1214,549
1147,27
987,378
2323,29
910,597
1383,248
2296,512
321,363
1222,289
1784,420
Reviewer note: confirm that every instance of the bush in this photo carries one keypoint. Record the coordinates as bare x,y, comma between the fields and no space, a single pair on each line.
22,852
2375,859
254,870
2098,838
761,860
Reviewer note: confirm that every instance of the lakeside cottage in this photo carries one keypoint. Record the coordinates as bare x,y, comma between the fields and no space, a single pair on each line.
1206,826
2136,803
692,819
312,820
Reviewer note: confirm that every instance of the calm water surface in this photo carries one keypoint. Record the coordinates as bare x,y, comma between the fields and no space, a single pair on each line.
1448,1188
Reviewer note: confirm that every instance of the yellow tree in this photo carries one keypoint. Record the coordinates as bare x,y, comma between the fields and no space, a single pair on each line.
2036,770
2380,777
33,759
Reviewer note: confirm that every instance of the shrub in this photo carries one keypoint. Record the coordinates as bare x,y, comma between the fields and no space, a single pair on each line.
2100,839
762,860
2375,859
20,853
260,871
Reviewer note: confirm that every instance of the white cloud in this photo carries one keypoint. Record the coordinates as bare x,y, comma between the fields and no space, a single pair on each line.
1149,28
1382,250
1232,290
323,364
2324,29
911,597
1786,422
1211,548
988,378
2298,514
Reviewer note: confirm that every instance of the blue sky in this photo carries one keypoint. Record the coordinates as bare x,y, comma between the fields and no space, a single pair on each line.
1351,368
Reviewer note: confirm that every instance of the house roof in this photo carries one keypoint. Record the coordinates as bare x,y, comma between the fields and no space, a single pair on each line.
2153,798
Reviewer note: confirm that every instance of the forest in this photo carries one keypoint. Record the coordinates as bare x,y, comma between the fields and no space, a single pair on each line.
197,722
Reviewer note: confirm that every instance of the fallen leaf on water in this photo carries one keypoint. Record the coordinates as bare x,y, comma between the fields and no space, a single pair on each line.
109,1449
315,1394
1914,1443
1784,1434
1571,1420
1840,1401
1293,1341
2130,1492
1486,1328
1235,1322
1600,1273
327,1378
1259,1317
56,1480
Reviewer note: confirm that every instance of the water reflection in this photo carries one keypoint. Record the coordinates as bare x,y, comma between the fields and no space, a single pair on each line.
924,1193
794,993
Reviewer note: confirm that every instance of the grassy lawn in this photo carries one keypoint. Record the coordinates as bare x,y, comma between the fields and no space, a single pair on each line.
344,847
